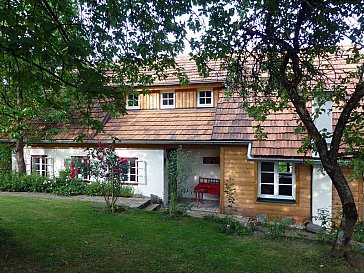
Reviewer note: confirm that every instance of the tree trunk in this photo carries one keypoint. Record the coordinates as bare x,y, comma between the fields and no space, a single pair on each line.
19,149
113,203
19,153
341,246
349,212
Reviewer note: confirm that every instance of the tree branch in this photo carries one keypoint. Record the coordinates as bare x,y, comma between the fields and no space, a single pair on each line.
48,9
344,118
42,68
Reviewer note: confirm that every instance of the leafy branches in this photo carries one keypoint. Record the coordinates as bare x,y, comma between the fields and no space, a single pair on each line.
286,54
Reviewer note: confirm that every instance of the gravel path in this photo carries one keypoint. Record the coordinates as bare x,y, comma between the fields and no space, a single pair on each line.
129,202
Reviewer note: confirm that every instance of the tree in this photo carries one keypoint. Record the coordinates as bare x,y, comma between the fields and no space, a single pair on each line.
278,55
59,58
109,170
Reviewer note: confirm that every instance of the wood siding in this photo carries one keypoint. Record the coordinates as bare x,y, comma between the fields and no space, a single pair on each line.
356,187
185,98
234,165
149,101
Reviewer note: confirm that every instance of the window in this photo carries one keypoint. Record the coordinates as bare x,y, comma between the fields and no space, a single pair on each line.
132,101
276,180
80,166
168,100
41,164
204,99
136,173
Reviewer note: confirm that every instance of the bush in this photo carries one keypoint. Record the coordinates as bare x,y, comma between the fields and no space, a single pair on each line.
277,228
22,182
359,232
230,226
6,181
5,157
61,185
93,189
64,185
126,191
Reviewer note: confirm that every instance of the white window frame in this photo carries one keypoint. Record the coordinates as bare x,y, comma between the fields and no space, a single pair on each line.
199,93
45,165
140,171
276,183
136,98
169,106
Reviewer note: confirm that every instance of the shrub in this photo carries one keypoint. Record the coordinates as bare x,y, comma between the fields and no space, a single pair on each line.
93,189
278,228
61,185
64,185
359,232
22,182
126,191
230,226
108,170
5,157
6,181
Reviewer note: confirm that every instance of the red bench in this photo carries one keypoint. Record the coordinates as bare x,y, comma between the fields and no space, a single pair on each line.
207,185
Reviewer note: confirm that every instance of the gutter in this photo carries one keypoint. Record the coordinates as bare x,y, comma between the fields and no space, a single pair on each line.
158,142
7,141
268,159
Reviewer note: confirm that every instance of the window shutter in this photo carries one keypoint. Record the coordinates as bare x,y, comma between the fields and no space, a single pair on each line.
141,172
50,166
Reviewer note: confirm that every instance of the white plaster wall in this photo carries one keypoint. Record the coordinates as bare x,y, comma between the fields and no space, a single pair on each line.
321,193
153,162
57,155
203,170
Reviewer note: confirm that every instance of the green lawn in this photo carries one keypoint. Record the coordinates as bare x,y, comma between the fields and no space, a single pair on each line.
46,235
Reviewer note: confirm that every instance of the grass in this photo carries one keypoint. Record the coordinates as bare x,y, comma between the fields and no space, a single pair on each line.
48,235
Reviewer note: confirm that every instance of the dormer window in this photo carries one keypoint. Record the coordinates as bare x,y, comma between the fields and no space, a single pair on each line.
168,100
132,101
204,98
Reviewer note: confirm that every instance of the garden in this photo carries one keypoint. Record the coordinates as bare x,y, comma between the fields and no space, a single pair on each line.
102,173
49,235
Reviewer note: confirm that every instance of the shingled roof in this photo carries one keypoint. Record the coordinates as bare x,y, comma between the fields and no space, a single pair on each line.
227,123
161,125
233,123
216,74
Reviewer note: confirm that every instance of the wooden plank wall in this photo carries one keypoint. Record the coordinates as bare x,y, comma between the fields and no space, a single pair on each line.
234,165
185,98
356,187
149,101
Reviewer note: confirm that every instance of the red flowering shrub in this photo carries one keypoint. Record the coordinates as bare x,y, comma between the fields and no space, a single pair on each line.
109,170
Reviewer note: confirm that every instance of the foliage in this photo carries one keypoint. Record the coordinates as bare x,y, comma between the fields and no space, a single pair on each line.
74,243
230,192
16,182
283,55
61,185
277,228
230,226
93,189
126,191
109,170
359,232
5,157
64,185
180,168
61,56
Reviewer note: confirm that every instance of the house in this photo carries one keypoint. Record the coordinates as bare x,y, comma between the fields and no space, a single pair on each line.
268,176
